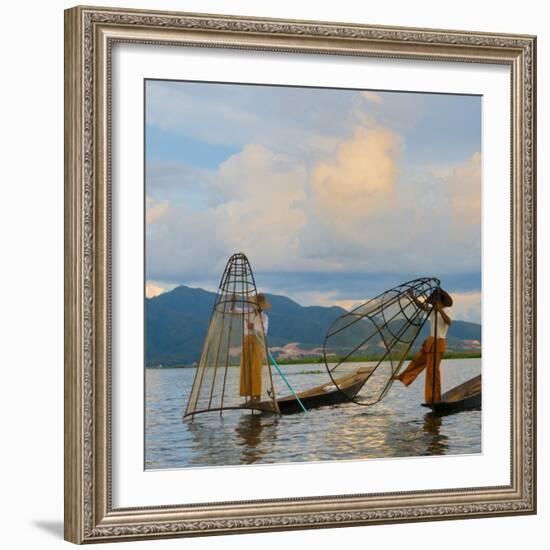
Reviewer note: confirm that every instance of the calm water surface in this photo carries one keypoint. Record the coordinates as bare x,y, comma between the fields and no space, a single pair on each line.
396,427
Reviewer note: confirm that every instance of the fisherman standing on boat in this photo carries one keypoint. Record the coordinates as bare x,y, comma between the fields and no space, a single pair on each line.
432,349
255,324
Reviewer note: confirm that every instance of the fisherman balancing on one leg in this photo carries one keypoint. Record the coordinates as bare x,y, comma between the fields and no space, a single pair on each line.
429,355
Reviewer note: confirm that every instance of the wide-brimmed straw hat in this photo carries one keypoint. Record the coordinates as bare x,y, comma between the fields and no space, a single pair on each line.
263,302
441,295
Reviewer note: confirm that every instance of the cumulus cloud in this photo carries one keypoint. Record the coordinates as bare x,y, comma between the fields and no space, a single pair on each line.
372,97
156,288
318,185
354,211
262,213
170,175
466,306
361,177
152,290
257,210
465,190
367,213
154,210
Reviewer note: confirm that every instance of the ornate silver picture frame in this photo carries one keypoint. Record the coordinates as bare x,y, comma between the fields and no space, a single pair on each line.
90,34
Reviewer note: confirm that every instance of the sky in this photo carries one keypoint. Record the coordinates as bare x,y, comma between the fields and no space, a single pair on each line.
334,195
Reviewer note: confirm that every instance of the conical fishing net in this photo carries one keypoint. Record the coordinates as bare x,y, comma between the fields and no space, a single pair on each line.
233,371
366,347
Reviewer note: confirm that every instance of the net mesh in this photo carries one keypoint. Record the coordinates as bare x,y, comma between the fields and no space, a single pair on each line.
233,371
378,335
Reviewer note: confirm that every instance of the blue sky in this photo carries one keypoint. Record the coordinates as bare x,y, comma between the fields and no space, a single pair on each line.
334,195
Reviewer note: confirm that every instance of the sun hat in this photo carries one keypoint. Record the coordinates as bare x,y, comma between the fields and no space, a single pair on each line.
263,302
442,295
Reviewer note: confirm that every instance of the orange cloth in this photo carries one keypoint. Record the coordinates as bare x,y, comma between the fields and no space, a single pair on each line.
251,367
424,359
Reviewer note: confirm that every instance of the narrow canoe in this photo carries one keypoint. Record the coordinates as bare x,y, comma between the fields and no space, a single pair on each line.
326,394
466,396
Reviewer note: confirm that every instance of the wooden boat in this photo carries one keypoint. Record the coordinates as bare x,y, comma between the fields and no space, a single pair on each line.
327,394
466,396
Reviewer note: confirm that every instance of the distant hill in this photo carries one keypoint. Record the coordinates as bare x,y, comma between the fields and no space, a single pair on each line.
176,324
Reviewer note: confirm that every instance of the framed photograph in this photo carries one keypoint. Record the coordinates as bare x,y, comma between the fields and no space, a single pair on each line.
300,274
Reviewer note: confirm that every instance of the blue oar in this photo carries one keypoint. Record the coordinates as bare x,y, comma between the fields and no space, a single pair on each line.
286,381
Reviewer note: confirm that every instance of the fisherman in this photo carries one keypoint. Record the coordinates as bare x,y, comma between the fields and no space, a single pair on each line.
255,329
440,321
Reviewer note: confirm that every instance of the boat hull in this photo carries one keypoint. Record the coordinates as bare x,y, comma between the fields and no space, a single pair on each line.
327,394
325,399
466,396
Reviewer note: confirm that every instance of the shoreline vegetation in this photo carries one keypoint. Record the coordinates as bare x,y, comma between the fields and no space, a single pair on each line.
473,354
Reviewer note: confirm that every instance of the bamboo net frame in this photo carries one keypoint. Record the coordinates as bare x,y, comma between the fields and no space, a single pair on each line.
380,334
234,370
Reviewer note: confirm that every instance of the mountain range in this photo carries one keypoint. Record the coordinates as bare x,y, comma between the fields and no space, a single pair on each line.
176,324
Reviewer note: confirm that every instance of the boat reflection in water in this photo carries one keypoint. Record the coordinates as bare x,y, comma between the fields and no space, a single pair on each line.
396,427
438,443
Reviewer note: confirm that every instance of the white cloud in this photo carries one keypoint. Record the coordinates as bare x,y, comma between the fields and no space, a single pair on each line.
261,214
317,202
465,189
397,225
155,211
257,211
351,212
282,119
152,290
372,97
466,306
321,182
327,299
360,178
170,175
177,108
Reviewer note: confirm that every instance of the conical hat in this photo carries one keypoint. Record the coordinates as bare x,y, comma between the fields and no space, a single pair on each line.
263,302
442,295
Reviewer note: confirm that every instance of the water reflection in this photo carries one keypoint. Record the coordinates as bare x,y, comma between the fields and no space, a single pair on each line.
438,443
256,434
396,427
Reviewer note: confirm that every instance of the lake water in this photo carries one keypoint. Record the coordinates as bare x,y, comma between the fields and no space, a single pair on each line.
396,427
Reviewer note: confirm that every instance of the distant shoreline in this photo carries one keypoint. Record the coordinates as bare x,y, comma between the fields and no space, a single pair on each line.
321,361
